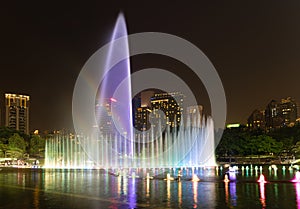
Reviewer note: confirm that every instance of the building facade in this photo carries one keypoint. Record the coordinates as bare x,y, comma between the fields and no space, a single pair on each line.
277,114
281,114
17,112
194,114
157,109
257,120
104,116
141,118
288,111
171,104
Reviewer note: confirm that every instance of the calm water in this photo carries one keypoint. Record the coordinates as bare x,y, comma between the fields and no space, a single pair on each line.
38,188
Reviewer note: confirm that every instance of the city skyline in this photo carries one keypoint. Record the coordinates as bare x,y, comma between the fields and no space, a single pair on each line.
253,47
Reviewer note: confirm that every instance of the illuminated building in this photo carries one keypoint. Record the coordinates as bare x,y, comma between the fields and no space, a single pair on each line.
17,112
142,110
104,116
273,115
288,111
280,114
171,104
194,111
276,115
141,118
150,106
257,120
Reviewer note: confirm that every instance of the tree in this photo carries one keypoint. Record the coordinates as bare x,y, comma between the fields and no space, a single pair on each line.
233,142
264,144
296,149
3,150
36,144
5,133
16,142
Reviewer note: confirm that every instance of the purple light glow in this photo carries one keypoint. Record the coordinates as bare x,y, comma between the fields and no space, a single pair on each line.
261,179
297,188
296,179
110,86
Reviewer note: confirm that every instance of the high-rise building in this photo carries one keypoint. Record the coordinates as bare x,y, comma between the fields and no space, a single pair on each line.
157,110
104,116
171,104
142,109
17,112
141,118
273,115
288,111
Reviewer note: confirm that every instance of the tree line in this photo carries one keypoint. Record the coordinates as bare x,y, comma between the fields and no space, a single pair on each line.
241,141
15,144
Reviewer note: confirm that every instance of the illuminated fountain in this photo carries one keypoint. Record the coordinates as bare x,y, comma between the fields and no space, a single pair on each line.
296,179
262,179
65,151
195,178
190,144
226,179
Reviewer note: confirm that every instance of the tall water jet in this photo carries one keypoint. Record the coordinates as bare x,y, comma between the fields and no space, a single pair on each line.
120,98
120,73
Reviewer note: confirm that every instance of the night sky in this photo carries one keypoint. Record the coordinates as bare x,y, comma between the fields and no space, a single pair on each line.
254,46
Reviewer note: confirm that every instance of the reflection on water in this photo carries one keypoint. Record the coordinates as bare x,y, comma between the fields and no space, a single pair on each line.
195,191
233,195
226,193
97,189
147,187
119,185
262,194
297,188
230,193
36,198
169,193
132,194
179,194
124,187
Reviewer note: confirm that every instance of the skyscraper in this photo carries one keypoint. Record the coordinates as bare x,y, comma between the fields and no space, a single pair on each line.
104,116
273,116
17,112
142,109
289,111
171,104
141,118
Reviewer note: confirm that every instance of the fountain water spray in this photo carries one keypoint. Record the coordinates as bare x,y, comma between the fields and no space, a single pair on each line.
104,98
296,179
261,179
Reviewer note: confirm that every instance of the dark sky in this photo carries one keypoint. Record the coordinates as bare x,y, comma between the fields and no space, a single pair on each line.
254,46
